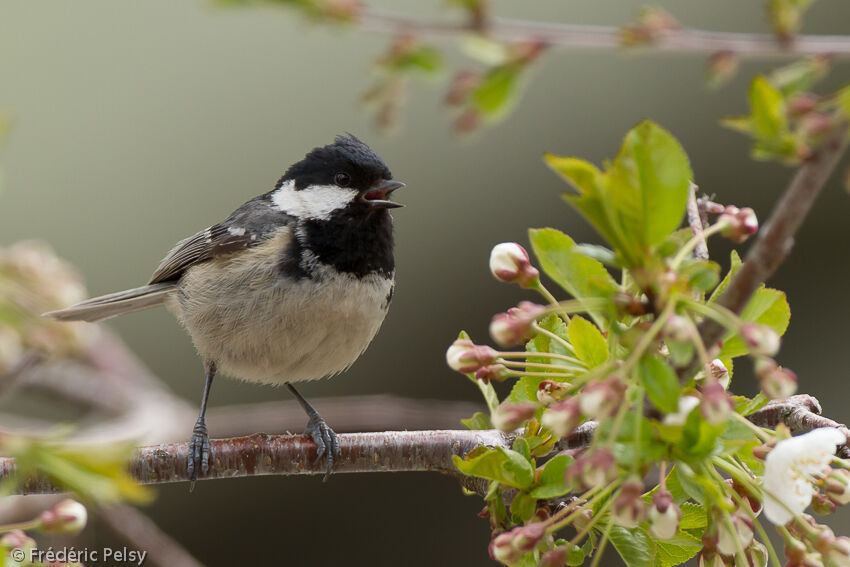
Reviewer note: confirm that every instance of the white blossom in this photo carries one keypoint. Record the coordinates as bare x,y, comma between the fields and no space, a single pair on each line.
791,468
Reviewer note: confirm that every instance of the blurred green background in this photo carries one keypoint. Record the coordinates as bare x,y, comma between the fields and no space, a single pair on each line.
136,124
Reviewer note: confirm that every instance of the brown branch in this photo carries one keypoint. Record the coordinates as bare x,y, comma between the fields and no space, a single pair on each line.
776,238
801,414
681,40
696,224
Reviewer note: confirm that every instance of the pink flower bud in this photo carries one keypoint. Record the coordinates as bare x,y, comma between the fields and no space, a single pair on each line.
17,539
740,224
497,372
561,418
678,328
515,326
629,509
728,537
721,66
664,515
502,549
593,470
716,406
838,486
554,558
527,537
760,339
460,87
838,554
509,262
550,391
599,400
67,517
822,505
508,416
776,382
801,104
465,356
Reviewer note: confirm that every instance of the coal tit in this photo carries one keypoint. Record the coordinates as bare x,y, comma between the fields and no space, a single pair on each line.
292,286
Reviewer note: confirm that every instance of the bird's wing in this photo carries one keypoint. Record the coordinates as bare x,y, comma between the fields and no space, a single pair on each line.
249,225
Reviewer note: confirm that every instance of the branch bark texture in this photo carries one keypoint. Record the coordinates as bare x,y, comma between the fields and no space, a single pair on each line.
680,40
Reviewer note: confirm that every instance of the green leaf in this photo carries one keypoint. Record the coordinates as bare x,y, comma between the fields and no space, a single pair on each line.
675,551
503,465
551,483
699,438
520,445
660,382
580,276
523,507
734,267
588,342
701,274
649,183
769,117
746,406
94,473
634,546
498,90
478,420
693,516
768,307
425,58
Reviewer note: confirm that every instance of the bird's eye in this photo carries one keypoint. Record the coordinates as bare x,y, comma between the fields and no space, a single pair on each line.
342,179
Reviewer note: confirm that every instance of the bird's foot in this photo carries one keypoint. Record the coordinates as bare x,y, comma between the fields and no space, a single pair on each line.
327,442
199,452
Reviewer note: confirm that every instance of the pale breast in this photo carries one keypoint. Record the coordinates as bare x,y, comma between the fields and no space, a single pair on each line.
260,327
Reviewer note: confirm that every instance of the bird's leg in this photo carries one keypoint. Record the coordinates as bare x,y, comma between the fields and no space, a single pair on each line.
199,446
327,443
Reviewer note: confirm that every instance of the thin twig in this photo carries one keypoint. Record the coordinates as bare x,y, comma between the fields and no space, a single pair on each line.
776,238
696,224
681,40
143,534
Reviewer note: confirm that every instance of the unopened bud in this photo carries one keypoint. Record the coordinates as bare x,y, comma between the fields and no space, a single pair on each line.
721,67
757,554
838,486
465,356
801,104
509,262
467,122
838,554
760,339
716,406
462,84
776,382
497,372
562,417
599,400
554,558
502,549
728,537
527,537
740,224
17,539
664,515
822,505
515,326
629,509
678,328
67,517
508,416
685,406
593,470
550,391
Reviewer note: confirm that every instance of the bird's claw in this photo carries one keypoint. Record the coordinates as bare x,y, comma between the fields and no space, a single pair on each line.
199,452
327,442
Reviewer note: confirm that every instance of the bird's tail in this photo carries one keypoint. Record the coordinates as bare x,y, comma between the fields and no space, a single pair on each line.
106,306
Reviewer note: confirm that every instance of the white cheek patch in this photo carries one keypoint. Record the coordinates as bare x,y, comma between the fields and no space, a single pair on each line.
316,202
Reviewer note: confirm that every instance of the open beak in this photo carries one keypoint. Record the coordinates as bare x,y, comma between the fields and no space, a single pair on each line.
378,196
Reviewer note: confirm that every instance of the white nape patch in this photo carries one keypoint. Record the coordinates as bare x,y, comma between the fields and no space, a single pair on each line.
236,231
316,202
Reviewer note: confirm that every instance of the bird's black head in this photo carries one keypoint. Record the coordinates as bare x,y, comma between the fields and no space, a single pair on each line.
339,195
